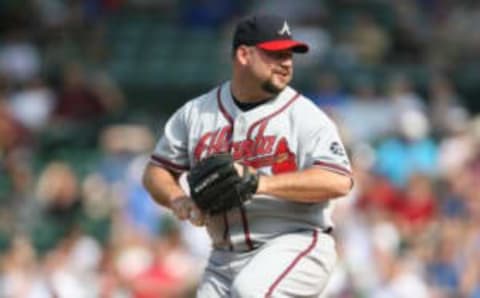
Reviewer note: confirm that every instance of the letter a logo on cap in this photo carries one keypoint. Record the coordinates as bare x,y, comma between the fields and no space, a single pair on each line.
285,29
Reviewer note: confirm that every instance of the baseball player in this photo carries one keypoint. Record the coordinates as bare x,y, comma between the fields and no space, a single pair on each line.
276,241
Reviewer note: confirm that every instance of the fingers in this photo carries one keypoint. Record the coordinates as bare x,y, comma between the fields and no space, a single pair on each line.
196,217
181,208
241,169
184,209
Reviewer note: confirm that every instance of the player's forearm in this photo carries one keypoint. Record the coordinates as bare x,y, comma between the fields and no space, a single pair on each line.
311,185
161,185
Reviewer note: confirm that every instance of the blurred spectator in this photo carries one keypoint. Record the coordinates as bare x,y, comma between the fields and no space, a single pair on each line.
416,208
369,41
166,7
397,272
401,279
139,208
410,33
76,101
108,91
99,199
471,279
366,116
58,189
132,255
312,12
12,133
19,57
52,13
94,10
124,147
402,94
319,41
80,101
448,115
374,194
451,202
327,91
21,275
72,264
172,272
61,206
412,145
120,144
33,105
474,132
442,268
457,146
377,194
208,13
19,166
458,33
109,284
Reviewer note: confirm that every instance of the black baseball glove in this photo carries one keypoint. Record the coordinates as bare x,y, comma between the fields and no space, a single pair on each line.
216,186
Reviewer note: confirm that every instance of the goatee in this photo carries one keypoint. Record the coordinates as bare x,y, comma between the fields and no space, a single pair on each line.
269,87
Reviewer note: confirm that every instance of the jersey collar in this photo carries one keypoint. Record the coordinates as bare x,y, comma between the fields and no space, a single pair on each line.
230,108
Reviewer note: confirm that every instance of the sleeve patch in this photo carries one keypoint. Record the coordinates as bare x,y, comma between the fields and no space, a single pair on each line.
337,149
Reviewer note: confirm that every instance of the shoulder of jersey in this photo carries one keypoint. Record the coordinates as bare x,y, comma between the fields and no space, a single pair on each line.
309,110
202,102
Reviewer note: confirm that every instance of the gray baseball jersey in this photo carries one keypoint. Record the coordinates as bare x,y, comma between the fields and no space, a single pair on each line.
287,133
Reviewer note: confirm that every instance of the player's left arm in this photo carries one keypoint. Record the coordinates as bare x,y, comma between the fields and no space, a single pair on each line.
311,185
324,172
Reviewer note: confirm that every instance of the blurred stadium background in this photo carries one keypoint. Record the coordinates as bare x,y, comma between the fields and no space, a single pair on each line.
86,86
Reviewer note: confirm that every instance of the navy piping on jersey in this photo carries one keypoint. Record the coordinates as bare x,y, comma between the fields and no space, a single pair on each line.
333,167
229,118
246,229
222,108
226,232
268,117
336,169
162,161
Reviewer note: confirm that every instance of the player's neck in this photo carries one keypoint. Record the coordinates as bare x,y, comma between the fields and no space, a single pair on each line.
248,92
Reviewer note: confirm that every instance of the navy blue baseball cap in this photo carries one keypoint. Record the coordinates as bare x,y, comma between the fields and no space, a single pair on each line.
268,32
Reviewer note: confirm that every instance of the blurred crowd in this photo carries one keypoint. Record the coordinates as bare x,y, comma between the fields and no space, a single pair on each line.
76,222
410,227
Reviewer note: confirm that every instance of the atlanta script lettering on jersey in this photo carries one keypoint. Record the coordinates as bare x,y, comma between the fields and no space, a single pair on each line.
257,152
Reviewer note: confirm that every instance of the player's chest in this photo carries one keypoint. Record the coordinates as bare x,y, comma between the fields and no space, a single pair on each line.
257,141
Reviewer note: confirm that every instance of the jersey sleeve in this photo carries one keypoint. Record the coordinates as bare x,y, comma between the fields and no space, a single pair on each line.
171,150
326,148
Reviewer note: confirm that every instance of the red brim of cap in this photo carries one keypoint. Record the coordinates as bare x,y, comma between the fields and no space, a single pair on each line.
284,44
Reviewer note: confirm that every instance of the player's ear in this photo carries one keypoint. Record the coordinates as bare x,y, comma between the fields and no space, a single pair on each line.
242,54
